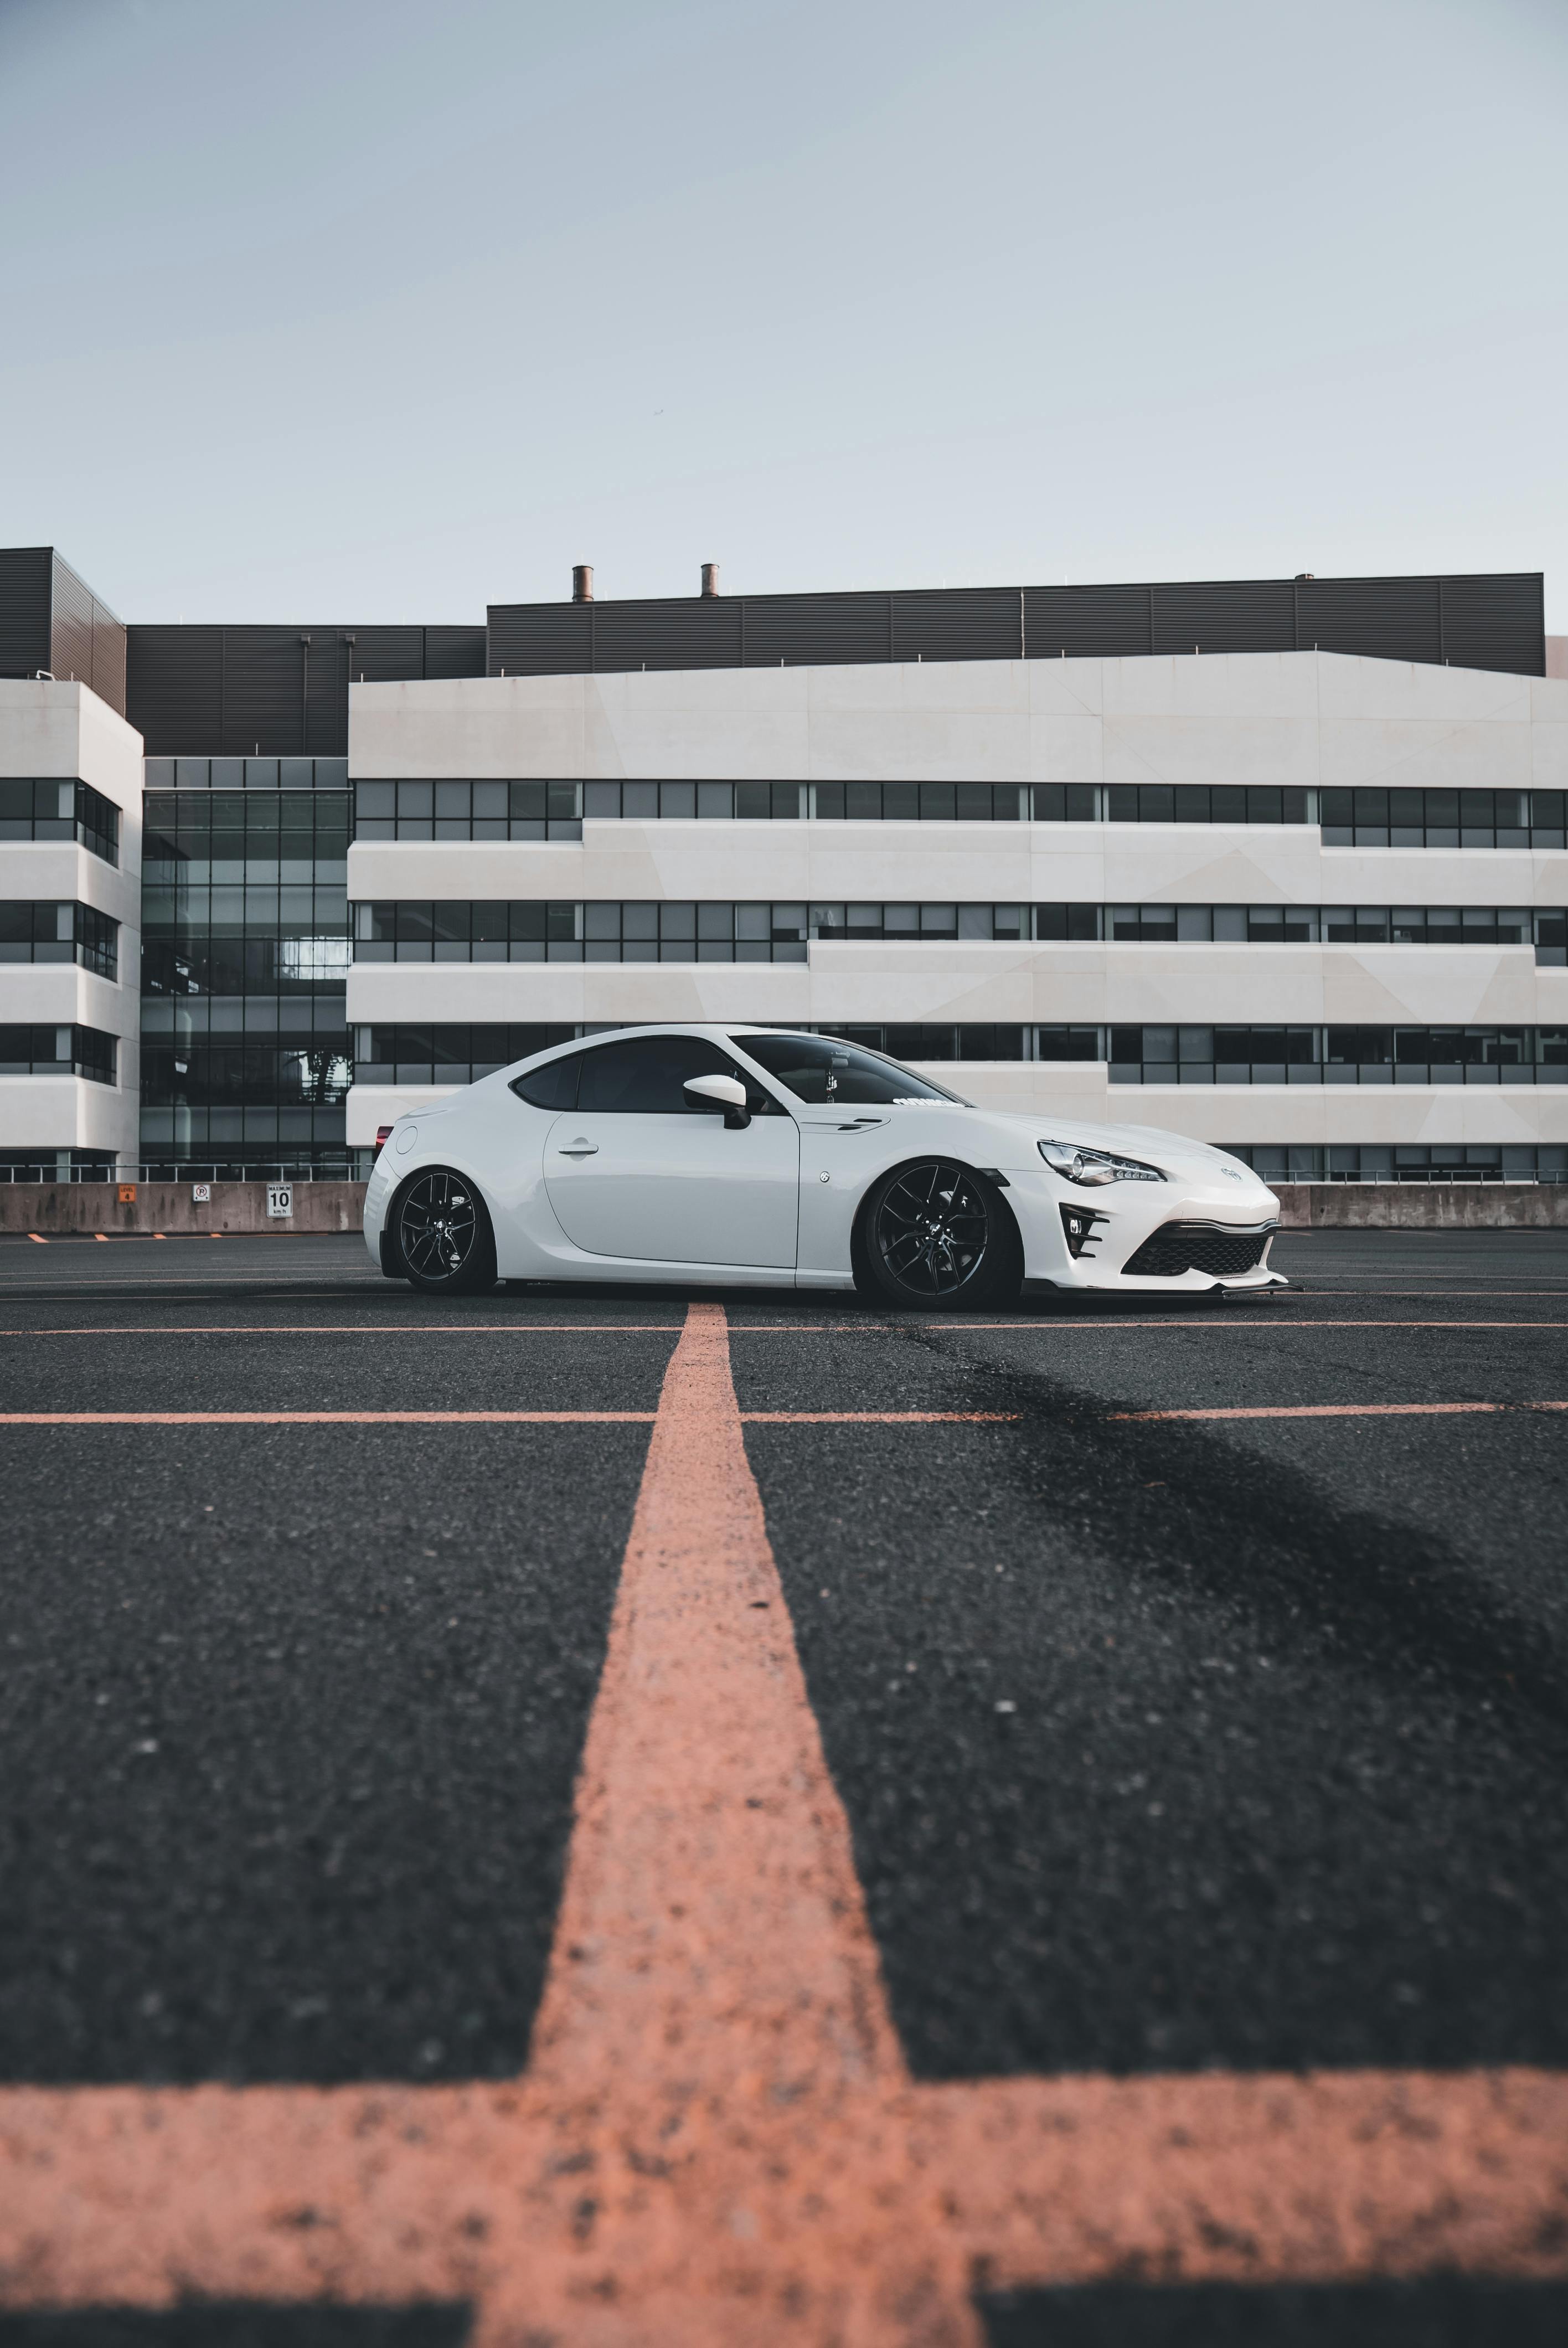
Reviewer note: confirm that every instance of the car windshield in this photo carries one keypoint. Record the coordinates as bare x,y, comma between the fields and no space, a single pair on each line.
825,1073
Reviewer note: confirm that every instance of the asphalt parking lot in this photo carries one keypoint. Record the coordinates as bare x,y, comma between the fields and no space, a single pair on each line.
1191,1679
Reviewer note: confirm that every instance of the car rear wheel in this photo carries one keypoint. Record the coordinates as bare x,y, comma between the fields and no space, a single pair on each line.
936,1236
442,1234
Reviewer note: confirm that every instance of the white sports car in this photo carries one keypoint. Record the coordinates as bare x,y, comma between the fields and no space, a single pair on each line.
751,1155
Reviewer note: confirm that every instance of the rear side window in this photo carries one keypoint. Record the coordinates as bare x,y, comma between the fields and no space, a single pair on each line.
552,1087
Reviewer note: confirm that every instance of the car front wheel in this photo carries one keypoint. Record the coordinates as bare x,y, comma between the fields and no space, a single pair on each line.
442,1234
936,1236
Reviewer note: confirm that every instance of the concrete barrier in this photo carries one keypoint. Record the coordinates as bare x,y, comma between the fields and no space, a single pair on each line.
1423,1206
61,1208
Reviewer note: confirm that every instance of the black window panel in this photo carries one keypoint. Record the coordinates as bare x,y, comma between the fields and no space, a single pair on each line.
643,1076
938,802
449,923
1067,1043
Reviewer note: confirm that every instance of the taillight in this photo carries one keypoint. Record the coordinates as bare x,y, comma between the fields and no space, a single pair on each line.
382,1136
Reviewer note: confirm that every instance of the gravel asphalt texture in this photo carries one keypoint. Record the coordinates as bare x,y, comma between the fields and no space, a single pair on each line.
1165,1745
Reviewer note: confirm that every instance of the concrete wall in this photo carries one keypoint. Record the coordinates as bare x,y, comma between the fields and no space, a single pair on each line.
1423,1206
62,1208
1307,719
51,1207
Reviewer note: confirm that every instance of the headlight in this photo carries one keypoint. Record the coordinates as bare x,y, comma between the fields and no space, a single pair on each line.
1093,1167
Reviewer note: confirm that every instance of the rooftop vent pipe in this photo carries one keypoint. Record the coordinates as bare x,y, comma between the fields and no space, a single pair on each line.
582,583
710,578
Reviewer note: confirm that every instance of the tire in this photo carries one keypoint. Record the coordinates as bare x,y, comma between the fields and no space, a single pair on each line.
441,1234
936,1237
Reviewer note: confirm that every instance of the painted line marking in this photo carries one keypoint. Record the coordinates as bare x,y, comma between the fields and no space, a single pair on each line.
376,1329
489,1418
1344,1410
716,2137
881,1417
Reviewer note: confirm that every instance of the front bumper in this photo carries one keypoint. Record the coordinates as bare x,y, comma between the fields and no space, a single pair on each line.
1220,1233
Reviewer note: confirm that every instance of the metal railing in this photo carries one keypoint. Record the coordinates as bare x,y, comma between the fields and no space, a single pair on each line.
181,1171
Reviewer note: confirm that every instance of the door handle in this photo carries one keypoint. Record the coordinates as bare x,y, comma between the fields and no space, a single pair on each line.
579,1149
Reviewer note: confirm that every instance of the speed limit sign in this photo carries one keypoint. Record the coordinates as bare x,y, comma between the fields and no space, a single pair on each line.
280,1199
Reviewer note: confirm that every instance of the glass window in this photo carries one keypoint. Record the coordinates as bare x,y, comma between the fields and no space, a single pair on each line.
643,1076
552,1087
823,1072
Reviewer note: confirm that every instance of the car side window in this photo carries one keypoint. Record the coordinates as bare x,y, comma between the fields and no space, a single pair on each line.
643,1075
552,1087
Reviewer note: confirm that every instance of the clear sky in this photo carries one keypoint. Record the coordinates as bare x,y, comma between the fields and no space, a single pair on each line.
384,309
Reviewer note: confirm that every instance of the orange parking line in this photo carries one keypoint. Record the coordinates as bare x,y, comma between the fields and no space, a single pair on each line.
482,1418
38,1239
365,1329
1344,1410
879,1418
1237,1327
716,2138
323,1417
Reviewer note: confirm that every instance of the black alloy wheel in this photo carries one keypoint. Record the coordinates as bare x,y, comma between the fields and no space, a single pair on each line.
935,1235
444,1234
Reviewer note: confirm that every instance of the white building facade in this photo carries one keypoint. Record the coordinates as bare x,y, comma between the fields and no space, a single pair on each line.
71,924
1300,903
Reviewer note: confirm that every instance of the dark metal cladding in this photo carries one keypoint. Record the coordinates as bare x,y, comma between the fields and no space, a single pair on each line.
50,619
26,578
231,692
1487,620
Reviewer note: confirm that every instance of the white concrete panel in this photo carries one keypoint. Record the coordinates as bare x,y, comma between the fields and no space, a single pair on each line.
1066,749
467,726
918,746
1429,986
1456,754
1549,756
1442,876
1351,687
1220,748
1205,864
1066,689
1227,686
67,1113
